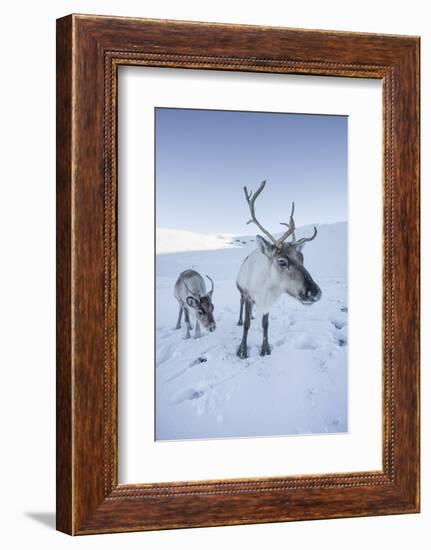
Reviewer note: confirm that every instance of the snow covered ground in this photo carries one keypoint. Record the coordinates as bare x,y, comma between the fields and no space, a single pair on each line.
203,390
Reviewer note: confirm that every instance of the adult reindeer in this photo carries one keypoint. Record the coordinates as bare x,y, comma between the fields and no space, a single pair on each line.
192,296
274,268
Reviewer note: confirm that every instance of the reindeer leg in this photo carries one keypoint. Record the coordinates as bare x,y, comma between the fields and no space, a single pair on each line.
265,350
241,309
197,330
180,314
187,320
242,350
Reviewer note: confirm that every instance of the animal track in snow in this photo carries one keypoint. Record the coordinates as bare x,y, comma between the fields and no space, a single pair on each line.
306,342
321,366
188,394
311,395
198,361
163,355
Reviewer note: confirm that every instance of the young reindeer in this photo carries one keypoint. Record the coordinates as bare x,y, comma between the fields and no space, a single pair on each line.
191,294
275,267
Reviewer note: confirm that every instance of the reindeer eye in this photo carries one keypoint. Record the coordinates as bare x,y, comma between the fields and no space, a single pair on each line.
283,263
200,311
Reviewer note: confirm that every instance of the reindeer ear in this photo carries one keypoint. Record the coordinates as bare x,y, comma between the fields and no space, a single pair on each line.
192,302
266,247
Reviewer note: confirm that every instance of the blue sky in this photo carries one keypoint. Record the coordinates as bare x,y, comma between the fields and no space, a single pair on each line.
204,158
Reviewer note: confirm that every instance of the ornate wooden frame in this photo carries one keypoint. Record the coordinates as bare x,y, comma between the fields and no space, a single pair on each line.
89,51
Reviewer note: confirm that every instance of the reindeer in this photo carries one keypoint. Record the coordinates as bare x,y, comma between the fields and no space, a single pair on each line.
274,268
191,294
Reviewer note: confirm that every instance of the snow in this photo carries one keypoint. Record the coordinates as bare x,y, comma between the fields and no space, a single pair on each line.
173,240
203,390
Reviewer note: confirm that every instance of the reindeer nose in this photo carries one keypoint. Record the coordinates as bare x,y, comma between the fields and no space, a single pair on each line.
212,327
311,295
314,294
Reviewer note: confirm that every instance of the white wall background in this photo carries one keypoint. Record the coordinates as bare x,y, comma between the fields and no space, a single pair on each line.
27,238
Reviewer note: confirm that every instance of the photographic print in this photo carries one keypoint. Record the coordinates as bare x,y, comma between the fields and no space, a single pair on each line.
251,309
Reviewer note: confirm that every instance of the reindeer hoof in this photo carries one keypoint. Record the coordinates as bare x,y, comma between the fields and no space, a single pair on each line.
265,350
242,352
240,323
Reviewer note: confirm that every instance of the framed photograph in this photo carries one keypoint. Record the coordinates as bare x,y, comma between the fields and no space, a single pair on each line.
237,274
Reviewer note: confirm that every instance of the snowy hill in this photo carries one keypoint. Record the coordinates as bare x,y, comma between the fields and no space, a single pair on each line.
175,240
203,390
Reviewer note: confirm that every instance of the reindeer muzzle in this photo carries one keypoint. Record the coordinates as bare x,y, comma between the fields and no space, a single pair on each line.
310,296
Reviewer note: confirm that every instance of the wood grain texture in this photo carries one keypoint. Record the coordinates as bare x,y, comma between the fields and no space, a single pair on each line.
64,497
90,49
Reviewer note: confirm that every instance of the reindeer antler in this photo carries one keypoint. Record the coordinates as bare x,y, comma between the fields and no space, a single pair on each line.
251,199
290,225
306,239
212,285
